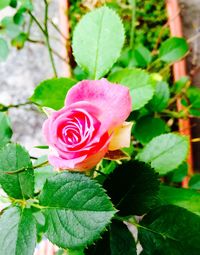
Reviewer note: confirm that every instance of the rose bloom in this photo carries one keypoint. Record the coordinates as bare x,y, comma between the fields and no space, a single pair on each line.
90,124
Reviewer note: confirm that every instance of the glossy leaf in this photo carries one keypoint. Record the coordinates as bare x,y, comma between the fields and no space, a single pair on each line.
133,187
14,158
194,182
18,232
97,41
141,56
161,97
179,173
173,49
139,82
186,198
5,129
146,128
4,50
121,240
193,94
76,209
165,152
51,93
165,231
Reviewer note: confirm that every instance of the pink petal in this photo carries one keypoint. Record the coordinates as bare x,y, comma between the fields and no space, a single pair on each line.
113,99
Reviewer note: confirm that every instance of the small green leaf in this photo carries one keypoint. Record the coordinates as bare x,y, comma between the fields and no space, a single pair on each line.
4,50
186,198
139,82
193,94
170,230
194,182
146,128
18,232
19,41
97,41
165,152
4,3
173,49
52,93
121,240
41,174
141,56
161,97
76,209
13,3
180,84
133,187
178,174
5,129
13,158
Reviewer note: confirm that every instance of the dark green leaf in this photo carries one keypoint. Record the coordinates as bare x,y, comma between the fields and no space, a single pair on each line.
139,82
170,230
13,158
117,241
178,174
165,152
4,3
173,49
18,232
133,187
97,41
188,199
4,50
5,129
121,240
146,128
180,84
51,93
194,182
13,3
161,97
76,208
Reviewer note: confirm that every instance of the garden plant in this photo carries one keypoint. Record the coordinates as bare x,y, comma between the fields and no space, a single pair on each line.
110,178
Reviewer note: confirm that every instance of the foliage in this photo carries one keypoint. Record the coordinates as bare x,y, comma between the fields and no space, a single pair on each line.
91,213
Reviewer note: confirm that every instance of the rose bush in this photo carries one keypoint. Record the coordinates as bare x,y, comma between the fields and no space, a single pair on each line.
81,132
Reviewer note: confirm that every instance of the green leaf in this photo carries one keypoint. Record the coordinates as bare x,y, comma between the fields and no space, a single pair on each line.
4,50
11,29
141,56
165,152
186,198
139,82
5,129
52,93
18,232
4,3
75,252
170,230
180,84
194,182
121,240
76,208
193,94
14,158
161,97
97,41
19,41
13,3
117,241
41,174
133,187
146,128
173,49
178,174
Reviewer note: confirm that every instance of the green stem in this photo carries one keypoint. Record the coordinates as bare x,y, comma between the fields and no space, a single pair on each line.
133,3
26,168
4,108
47,38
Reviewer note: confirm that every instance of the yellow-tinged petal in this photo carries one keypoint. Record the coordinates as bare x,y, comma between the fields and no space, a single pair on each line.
121,137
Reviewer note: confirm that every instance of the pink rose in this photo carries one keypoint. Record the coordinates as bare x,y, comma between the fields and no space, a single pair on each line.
80,133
